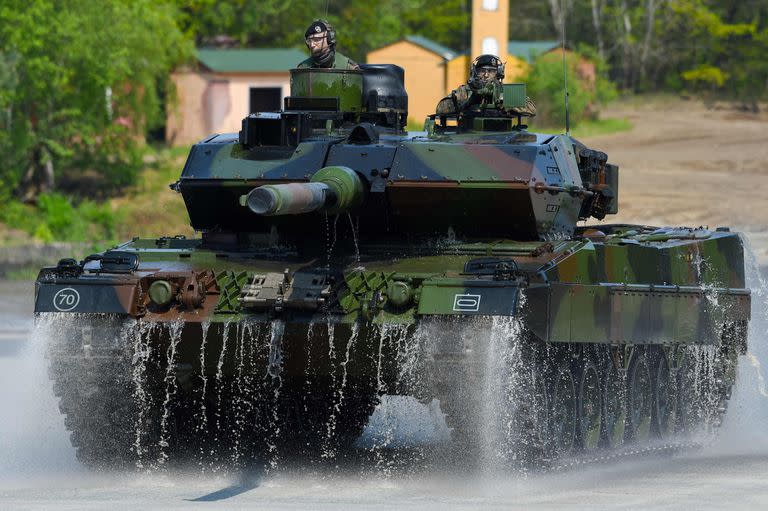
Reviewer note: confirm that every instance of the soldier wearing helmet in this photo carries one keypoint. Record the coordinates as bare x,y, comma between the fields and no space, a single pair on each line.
485,81
321,41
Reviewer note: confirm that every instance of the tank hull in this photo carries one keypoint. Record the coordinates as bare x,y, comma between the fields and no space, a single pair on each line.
579,345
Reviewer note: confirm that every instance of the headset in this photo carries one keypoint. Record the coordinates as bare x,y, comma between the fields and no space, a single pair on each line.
324,26
493,60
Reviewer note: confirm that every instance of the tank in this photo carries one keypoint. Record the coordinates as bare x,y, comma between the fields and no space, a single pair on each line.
343,261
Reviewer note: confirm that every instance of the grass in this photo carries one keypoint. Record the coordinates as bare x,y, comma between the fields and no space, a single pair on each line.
28,273
414,125
587,129
601,127
149,208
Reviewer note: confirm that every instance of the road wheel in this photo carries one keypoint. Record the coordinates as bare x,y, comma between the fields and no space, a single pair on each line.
614,406
590,411
563,411
664,398
639,398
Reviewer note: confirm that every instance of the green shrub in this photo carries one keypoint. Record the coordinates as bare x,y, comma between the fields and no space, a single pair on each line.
585,96
43,233
56,218
58,214
100,218
19,216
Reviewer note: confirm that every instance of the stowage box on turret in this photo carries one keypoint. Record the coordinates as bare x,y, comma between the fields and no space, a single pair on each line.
342,259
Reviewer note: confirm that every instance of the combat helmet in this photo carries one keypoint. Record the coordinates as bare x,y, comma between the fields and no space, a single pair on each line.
486,60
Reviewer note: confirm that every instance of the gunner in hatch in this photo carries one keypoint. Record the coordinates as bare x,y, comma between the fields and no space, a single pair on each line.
485,81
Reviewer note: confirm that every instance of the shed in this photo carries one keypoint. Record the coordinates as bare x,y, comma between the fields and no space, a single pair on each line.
224,85
426,71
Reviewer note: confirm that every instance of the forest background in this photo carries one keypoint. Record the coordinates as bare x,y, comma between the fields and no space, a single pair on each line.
84,84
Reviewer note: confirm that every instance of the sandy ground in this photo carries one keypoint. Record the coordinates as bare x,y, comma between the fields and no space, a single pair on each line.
686,164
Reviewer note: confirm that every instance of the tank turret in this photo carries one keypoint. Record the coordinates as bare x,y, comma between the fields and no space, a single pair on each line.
474,183
338,145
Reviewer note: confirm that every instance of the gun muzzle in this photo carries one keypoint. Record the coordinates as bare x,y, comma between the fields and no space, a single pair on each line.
331,189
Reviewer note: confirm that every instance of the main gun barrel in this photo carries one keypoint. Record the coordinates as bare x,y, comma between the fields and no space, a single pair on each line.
331,189
289,198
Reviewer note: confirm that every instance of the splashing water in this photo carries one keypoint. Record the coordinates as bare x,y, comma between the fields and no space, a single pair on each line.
171,386
331,425
255,352
399,420
219,382
744,427
33,438
204,327
310,370
501,382
275,372
379,434
755,364
328,450
142,351
354,237
331,234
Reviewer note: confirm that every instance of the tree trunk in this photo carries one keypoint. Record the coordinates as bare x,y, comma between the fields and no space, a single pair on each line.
557,15
625,27
47,181
597,22
650,20
40,176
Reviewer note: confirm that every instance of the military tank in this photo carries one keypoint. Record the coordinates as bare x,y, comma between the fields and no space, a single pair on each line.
343,259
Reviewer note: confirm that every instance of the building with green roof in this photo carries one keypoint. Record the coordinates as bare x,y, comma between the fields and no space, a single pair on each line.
222,86
529,50
433,70
249,60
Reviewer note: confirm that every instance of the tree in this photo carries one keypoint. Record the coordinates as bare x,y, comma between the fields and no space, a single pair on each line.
728,58
249,22
361,26
585,92
88,83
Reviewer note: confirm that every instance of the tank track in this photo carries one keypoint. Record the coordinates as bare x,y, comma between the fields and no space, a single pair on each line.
126,408
665,399
552,405
100,423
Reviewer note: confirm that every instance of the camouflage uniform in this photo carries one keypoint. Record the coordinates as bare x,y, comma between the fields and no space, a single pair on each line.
481,90
339,61
465,98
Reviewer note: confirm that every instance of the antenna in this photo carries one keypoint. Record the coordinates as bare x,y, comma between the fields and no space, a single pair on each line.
565,70
326,7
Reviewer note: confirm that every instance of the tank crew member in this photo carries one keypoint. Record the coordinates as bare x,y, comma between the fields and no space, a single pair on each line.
321,41
485,81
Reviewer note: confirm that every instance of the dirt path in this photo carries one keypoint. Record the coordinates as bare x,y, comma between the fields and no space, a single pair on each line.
684,164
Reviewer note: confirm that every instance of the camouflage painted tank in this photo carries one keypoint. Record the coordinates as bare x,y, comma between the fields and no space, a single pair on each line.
342,259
